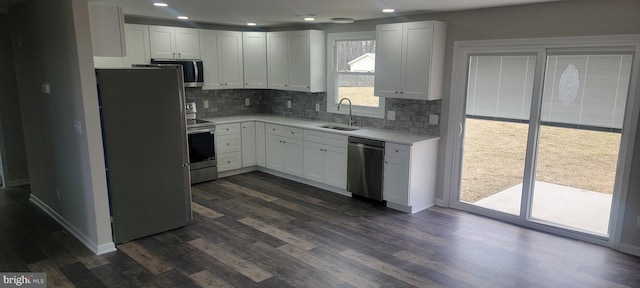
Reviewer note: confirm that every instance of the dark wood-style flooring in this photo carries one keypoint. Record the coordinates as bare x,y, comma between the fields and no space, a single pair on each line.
258,230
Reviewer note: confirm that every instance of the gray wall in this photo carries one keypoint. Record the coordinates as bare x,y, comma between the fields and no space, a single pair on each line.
12,150
52,42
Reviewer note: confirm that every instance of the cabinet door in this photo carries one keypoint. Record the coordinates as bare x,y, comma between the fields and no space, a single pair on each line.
335,164
187,43
254,45
138,49
388,60
261,139
248,144
314,166
416,60
162,42
231,59
210,60
275,152
278,60
299,61
293,157
396,180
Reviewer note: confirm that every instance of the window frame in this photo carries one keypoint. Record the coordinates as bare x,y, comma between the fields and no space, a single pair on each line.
333,74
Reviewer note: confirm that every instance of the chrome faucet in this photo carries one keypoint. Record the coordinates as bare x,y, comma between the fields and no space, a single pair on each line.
351,122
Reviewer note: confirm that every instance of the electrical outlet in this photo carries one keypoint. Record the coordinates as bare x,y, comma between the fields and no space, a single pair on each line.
205,103
247,102
433,119
288,103
46,88
391,115
317,107
77,126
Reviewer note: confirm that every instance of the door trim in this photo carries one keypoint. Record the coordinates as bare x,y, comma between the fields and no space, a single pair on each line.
456,105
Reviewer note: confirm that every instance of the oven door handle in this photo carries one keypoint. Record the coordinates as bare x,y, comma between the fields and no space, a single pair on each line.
200,131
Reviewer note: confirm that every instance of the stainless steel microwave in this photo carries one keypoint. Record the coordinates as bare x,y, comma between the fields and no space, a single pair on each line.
192,70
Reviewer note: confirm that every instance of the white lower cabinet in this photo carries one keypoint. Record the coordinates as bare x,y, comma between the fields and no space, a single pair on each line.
325,158
396,180
284,149
228,147
248,143
410,175
261,143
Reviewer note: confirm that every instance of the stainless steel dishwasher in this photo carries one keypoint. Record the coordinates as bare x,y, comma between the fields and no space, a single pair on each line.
365,166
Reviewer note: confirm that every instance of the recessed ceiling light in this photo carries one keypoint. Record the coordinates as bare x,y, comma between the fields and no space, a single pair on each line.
309,19
389,10
159,4
251,24
183,17
342,20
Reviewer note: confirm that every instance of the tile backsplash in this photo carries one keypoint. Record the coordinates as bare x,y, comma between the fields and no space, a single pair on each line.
411,115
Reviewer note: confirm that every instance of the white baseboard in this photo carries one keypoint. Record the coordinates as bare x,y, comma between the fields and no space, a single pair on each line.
629,249
95,248
19,182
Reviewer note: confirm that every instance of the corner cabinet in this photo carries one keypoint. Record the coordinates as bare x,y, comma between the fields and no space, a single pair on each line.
410,60
254,53
221,54
410,175
174,42
296,60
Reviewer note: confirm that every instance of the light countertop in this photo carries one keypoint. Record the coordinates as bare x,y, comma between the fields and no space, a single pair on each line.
370,133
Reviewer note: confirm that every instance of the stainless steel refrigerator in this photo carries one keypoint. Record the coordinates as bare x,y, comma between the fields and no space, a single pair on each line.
145,146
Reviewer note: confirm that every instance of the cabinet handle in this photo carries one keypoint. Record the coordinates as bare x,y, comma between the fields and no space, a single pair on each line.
229,162
285,85
321,149
401,92
227,129
228,144
396,151
179,55
291,133
174,54
396,92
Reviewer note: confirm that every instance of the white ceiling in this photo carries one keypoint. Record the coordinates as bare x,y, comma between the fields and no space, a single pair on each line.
283,12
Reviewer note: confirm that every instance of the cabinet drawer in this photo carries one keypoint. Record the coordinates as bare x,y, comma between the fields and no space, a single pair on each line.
336,140
228,143
397,150
290,132
227,129
314,136
229,161
275,130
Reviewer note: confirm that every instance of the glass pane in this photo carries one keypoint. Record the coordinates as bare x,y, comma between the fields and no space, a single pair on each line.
499,90
583,107
359,55
358,88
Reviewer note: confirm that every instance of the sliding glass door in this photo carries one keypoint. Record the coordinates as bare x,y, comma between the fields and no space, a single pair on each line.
540,135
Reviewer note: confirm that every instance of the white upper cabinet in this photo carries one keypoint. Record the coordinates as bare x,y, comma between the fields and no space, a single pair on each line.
221,53
254,46
296,60
174,42
410,60
138,49
278,60
107,30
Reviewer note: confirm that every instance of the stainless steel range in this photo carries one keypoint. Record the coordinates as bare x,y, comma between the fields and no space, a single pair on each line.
202,147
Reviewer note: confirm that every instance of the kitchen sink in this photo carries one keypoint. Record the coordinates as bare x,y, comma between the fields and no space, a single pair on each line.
341,128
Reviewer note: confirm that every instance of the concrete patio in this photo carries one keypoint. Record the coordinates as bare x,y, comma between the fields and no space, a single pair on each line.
567,206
